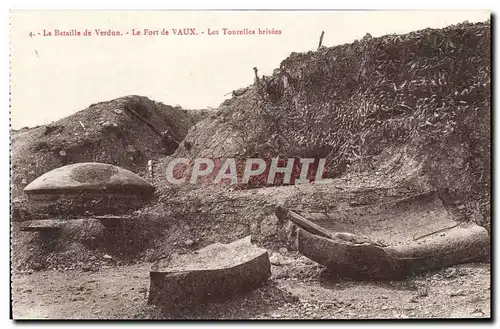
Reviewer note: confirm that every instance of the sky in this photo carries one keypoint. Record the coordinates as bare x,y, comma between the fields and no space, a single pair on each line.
53,77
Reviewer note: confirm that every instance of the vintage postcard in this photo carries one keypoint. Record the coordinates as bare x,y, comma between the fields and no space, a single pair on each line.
278,165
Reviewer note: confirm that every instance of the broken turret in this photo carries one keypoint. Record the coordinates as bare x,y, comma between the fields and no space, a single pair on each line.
89,189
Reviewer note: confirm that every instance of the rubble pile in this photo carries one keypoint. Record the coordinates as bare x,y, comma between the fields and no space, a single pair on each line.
424,96
352,100
127,132
427,91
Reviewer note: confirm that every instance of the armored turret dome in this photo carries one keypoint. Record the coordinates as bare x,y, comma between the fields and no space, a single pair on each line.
89,189
89,177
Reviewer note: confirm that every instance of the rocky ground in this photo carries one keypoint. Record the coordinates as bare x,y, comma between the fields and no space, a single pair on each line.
297,289
73,281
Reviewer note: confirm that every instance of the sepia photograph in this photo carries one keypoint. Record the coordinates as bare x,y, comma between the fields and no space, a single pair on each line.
250,164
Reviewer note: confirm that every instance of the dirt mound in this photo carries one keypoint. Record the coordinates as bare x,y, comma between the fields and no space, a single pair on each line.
127,132
374,105
220,133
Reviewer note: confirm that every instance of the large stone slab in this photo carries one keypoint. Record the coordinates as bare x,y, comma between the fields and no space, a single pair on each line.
218,271
57,224
46,225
